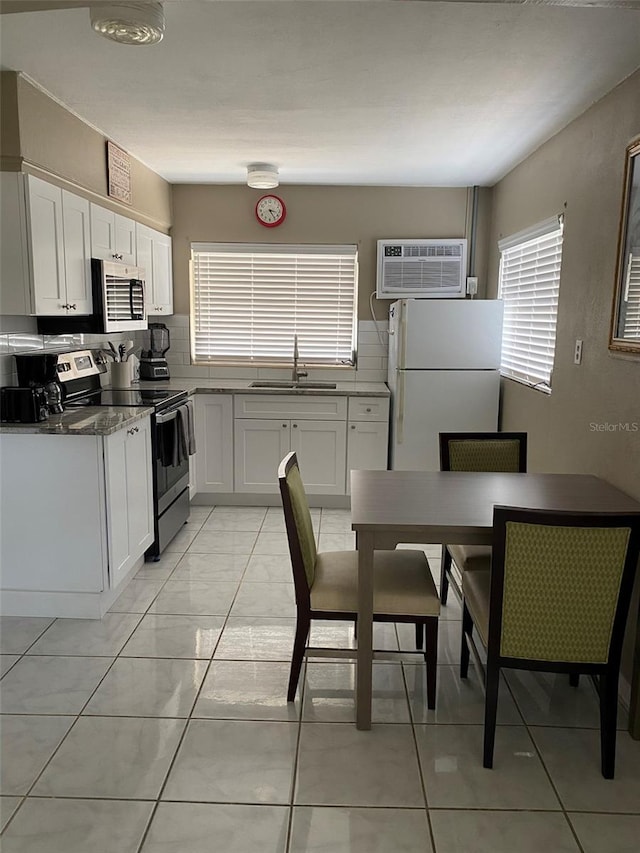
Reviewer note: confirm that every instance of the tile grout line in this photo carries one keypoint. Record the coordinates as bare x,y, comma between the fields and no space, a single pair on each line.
417,752
545,768
190,718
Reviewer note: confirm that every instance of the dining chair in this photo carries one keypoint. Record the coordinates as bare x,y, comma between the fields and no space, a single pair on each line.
326,583
556,599
476,451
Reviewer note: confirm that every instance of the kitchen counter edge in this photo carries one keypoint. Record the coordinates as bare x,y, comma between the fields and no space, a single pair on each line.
88,420
243,386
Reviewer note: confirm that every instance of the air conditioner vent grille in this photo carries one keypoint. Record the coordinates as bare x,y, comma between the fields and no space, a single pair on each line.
421,268
437,251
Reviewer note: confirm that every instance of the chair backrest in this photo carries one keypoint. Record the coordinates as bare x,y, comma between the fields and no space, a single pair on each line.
561,584
297,518
483,451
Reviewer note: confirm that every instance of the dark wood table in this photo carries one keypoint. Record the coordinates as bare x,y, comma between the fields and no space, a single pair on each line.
388,507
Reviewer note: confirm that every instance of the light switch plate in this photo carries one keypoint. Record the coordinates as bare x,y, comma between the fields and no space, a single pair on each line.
577,353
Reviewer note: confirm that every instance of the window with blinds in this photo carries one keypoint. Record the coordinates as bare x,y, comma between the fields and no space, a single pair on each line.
248,301
629,322
530,264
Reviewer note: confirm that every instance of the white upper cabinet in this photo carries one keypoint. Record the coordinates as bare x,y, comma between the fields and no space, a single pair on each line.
58,241
113,237
45,223
154,255
77,252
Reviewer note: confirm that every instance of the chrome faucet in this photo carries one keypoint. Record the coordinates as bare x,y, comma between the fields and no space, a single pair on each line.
295,373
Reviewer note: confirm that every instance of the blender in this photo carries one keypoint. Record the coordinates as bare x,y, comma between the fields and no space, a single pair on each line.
153,364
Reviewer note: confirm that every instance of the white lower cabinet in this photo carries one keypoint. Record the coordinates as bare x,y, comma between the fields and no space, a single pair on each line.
260,446
366,448
129,497
267,427
214,443
76,514
242,438
367,435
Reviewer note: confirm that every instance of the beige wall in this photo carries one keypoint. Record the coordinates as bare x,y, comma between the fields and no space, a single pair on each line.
73,154
579,171
9,125
315,214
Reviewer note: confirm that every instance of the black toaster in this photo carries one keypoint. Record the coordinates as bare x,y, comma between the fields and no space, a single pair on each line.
20,405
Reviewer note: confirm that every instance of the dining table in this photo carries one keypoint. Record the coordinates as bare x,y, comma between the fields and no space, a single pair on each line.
392,507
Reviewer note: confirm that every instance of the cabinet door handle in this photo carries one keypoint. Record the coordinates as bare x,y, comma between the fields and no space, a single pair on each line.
132,430
117,256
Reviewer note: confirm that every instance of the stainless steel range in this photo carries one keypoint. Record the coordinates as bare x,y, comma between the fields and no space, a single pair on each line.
78,375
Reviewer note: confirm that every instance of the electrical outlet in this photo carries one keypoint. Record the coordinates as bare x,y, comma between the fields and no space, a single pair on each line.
472,285
577,353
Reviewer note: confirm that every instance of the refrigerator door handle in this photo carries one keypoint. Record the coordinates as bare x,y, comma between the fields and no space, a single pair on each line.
402,334
400,409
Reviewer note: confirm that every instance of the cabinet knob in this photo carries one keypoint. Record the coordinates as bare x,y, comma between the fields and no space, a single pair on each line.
353,426
295,426
284,426
117,256
72,307
132,430
368,409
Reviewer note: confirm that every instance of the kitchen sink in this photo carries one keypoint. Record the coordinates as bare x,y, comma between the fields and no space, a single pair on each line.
282,383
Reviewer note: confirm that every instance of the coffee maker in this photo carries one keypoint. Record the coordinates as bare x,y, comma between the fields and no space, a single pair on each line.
153,364
41,370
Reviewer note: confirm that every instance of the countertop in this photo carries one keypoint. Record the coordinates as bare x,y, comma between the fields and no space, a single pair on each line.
89,420
104,420
243,386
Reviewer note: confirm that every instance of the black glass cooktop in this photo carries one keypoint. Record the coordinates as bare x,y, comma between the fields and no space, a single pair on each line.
156,397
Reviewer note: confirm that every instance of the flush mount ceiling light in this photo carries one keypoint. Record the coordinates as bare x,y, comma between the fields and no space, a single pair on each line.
129,23
262,176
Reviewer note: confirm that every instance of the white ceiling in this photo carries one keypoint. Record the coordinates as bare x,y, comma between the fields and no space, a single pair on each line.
343,92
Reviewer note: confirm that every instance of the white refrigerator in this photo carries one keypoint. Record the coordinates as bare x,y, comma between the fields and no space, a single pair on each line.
444,359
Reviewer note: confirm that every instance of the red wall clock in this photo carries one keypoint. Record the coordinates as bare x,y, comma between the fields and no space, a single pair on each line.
270,211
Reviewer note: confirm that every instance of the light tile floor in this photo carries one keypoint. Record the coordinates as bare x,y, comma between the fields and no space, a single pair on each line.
164,728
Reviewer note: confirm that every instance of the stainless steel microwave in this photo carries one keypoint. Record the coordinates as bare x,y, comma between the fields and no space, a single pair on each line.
118,303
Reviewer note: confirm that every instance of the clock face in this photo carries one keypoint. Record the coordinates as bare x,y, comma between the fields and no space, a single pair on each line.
270,211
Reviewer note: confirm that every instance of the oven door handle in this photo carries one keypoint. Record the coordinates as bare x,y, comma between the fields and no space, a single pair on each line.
164,419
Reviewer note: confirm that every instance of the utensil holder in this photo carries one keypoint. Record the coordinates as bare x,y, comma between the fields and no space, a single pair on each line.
121,374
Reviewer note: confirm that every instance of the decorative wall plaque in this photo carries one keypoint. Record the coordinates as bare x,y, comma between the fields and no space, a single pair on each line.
119,173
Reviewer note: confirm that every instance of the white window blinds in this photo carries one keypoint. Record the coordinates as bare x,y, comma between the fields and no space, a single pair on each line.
530,263
248,301
629,323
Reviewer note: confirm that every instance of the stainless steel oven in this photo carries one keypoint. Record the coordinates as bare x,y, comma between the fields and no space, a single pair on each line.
171,474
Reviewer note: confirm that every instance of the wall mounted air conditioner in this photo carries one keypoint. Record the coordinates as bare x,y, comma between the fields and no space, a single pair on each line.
421,269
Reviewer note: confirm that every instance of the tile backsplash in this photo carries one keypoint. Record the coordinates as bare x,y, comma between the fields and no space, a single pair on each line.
372,357
27,340
372,352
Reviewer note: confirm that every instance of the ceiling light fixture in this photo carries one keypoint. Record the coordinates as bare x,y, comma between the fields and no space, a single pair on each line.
262,176
129,23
